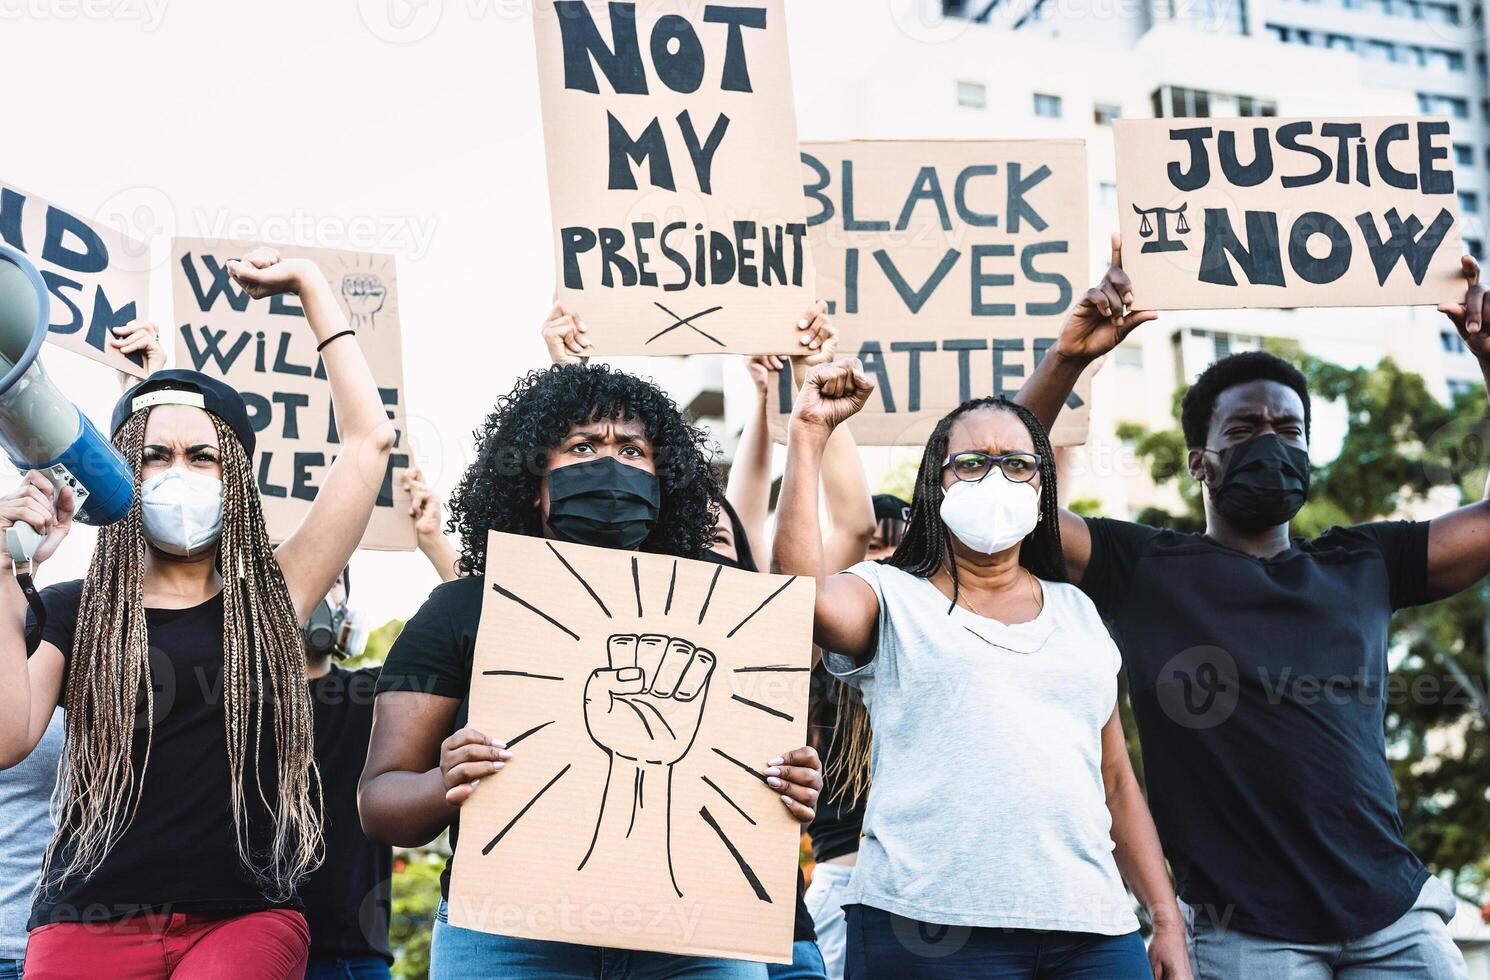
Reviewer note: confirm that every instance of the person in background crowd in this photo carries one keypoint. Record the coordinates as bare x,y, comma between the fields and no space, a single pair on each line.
186,843
349,897
25,827
1256,666
606,459
970,647
836,829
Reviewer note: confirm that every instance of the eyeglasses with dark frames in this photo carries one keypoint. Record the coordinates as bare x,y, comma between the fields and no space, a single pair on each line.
972,466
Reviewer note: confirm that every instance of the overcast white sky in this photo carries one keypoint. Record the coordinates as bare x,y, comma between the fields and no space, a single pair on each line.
388,125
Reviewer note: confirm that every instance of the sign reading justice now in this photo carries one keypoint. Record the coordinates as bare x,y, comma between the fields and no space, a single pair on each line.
671,140
1234,213
949,266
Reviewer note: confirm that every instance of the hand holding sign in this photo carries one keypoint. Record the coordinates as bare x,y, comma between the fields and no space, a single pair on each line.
1470,316
1098,323
832,393
140,339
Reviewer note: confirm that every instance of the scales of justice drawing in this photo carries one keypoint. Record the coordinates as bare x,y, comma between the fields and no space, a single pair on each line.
642,697
1160,217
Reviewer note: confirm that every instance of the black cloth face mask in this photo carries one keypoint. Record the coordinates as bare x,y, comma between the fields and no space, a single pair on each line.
1263,483
603,502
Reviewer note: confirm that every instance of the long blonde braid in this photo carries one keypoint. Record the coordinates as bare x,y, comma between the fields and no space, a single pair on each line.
263,672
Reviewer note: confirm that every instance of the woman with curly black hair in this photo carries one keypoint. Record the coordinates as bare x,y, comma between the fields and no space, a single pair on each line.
575,453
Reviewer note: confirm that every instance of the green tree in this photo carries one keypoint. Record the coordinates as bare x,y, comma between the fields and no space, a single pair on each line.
1401,446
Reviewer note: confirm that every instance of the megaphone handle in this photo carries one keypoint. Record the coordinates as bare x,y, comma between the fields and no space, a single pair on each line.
22,541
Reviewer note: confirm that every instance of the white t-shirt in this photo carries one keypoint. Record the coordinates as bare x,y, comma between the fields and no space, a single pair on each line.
987,806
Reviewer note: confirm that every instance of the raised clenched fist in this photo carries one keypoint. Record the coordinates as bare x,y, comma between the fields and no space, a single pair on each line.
646,706
365,294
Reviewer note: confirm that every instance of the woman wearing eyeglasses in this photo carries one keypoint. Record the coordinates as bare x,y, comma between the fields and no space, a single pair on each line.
1001,857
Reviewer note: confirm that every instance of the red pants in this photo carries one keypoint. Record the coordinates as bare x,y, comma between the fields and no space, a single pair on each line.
269,945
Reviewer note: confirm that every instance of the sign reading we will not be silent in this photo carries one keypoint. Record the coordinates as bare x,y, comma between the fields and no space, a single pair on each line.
949,266
1235,213
265,349
671,141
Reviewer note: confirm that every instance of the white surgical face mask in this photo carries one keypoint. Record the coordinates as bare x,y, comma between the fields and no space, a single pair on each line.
992,515
182,511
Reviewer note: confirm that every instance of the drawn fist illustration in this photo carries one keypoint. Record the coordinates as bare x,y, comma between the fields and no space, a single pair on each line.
646,706
364,294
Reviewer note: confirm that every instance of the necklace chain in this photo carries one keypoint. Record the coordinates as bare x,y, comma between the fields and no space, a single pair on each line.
1034,595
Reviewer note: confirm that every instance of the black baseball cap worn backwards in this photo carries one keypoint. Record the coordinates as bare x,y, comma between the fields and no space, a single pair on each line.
178,386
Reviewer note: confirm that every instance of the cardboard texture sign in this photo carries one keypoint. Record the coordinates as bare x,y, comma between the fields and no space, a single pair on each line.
949,266
647,693
672,169
265,349
98,278
1261,212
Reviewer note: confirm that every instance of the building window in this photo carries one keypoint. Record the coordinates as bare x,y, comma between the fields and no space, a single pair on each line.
1452,342
1280,32
1340,42
1246,105
1430,103
1107,195
1103,114
1181,103
1469,202
1441,13
1131,356
1463,154
1458,388
1474,247
1378,51
1048,106
972,95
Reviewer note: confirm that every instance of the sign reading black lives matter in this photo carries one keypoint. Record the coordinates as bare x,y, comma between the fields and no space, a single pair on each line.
672,168
265,349
1235,213
949,266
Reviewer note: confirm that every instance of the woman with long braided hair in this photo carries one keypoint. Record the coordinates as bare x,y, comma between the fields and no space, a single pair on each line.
189,806
1006,858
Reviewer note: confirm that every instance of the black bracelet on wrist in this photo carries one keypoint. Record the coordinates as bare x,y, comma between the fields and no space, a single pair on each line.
336,336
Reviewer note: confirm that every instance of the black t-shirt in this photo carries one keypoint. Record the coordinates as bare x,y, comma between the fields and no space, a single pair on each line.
434,654
1259,689
839,824
180,853
348,898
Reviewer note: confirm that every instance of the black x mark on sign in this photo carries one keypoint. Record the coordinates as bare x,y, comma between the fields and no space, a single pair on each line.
686,322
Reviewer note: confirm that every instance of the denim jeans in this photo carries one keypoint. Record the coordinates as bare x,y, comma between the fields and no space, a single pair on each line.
806,964
1416,946
347,968
824,900
884,946
465,954
10,970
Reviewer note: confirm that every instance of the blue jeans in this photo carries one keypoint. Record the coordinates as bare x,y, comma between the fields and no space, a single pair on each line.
346,968
10,970
465,954
883,945
806,964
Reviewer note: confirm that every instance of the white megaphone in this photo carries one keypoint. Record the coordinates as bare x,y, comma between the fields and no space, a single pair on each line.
40,428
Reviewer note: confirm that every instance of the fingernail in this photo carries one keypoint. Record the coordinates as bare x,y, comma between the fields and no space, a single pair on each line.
803,340
775,783
777,761
475,783
787,800
504,755
801,324
629,674
1128,299
497,766
773,771
813,345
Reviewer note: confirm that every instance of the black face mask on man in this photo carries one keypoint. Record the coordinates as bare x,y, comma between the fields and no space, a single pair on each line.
603,502
1263,482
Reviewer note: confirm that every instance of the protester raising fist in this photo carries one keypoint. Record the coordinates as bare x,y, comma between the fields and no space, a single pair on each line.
831,394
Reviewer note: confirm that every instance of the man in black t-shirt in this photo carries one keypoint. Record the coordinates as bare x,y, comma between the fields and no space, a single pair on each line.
1257,669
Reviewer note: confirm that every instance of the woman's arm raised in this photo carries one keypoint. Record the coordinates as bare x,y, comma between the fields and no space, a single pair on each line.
847,610
317,551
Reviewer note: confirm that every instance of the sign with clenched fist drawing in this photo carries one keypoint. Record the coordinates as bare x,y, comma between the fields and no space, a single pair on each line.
642,696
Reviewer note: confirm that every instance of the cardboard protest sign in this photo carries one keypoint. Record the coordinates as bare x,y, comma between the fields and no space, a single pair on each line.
1261,212
949,266
266,350
647,694
98,278
672,168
